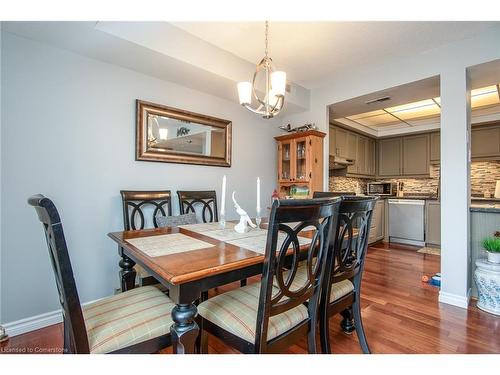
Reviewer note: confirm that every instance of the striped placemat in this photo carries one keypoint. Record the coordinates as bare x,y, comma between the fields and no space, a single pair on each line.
166,244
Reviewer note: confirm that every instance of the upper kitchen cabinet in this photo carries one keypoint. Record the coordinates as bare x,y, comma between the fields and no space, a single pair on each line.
343,143
416,155
435,140
389,157
485,142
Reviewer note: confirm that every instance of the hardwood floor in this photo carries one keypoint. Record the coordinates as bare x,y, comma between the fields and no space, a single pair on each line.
400,314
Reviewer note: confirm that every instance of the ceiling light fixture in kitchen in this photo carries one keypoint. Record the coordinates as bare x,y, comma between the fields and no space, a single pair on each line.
275,87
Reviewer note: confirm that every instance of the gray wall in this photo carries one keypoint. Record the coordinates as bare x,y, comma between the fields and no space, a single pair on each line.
68,132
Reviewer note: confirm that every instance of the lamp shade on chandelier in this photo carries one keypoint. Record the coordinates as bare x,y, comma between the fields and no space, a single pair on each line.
275,87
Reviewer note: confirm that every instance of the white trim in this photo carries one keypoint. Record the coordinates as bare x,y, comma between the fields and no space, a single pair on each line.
454,299
33,323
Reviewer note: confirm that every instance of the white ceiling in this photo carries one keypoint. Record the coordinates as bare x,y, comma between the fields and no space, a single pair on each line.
310,51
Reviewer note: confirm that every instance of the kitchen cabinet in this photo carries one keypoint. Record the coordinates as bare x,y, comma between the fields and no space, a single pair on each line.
344,143
433,223
355,147
377,228
435,140
300,162
416,155
389,157
485,142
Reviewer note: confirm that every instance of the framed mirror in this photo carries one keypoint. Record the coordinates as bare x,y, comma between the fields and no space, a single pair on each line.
171,135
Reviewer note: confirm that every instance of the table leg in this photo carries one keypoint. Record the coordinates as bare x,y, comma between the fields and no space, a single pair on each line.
127,272
184,331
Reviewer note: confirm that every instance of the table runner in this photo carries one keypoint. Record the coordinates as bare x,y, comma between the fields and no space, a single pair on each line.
166,244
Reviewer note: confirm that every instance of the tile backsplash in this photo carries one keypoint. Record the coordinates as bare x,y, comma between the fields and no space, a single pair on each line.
484,175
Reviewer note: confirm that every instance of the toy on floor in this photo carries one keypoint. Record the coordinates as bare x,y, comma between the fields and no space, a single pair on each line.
434,280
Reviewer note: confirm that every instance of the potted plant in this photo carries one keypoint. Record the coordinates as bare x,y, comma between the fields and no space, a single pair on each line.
492,247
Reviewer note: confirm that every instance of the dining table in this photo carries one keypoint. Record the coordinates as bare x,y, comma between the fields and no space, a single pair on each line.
191,259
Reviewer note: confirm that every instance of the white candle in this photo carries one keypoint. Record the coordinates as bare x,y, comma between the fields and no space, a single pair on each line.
223,197
258,194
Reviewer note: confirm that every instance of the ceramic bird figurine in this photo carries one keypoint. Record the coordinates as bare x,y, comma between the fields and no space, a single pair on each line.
241,227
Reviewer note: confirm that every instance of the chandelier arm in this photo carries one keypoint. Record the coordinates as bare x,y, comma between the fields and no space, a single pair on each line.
257,111
279,104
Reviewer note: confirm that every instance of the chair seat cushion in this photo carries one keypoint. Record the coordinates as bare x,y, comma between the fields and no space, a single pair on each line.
338,291
127,318
236,312
341,289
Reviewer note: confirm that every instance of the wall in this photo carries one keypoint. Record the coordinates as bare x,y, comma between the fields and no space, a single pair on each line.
447,61
68,131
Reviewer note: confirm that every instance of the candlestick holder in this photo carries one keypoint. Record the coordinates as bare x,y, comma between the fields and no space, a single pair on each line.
258,218
222,221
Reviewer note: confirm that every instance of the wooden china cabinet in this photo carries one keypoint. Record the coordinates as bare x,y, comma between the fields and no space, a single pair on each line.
300,164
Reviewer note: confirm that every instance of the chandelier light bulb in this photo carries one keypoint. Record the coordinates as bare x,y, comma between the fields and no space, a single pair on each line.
245,92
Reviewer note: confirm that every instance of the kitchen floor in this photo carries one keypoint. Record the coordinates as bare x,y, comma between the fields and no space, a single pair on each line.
400,314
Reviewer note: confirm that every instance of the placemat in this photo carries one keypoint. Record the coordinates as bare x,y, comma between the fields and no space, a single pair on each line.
258,243
205,227
230,234
166,244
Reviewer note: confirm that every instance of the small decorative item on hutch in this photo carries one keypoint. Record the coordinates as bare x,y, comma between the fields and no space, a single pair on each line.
3,335
300,163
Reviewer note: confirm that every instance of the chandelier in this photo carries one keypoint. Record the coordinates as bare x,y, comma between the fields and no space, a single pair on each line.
275,86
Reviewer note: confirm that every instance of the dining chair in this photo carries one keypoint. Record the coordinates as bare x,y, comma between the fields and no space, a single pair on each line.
137,321
271,315
141,209
342,283
204,203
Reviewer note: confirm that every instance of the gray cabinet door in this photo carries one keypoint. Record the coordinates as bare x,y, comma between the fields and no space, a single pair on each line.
378,222
416,155
371,157
331,141
435,147
389,161
433,223
352,143
341,142
485,142
361,155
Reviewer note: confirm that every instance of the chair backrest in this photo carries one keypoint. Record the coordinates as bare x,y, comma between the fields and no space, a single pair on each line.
284,256
134,202
75,333
350,236
203,203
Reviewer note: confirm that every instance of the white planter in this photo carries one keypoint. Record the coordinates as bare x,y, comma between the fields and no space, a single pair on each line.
487,277
493,257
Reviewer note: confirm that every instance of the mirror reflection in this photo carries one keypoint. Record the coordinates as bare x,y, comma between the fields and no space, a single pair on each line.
185,137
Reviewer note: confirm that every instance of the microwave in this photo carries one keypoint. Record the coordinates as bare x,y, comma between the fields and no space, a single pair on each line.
381,188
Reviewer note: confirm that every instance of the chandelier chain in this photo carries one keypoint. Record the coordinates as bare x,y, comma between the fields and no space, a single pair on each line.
267,30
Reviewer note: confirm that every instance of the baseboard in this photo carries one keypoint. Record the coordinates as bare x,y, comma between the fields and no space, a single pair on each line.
33,323
454,299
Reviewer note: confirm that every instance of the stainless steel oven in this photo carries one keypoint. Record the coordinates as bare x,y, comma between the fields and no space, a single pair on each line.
381,188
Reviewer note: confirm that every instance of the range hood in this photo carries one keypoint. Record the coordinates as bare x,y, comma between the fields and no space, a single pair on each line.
337,162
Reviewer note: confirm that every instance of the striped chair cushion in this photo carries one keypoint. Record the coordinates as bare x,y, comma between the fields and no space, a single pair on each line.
127,318
236,312
338,291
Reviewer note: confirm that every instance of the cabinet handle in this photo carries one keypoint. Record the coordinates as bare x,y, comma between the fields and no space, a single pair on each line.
310,174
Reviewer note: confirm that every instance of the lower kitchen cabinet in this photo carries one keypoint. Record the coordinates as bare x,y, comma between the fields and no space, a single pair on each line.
377,228
433,223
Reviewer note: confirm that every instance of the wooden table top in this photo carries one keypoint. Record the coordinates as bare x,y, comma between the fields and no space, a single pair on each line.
191,265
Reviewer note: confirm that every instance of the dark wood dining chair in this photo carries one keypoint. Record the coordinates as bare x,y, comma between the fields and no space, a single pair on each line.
202,202
342,284
135,204
137,321
269,316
